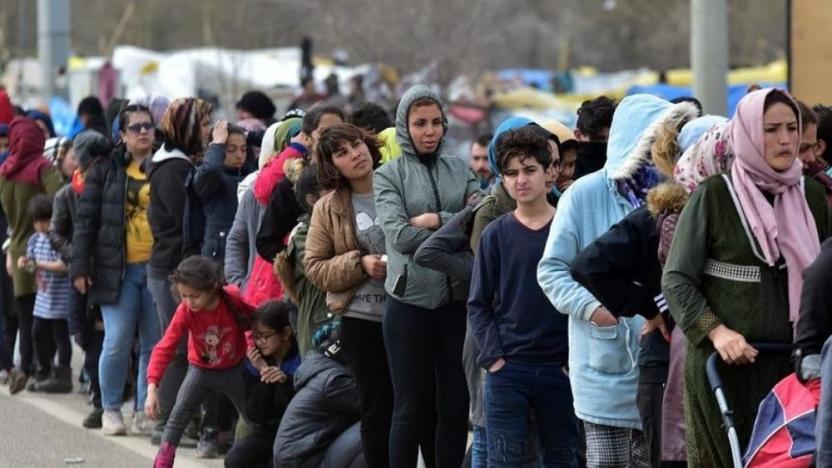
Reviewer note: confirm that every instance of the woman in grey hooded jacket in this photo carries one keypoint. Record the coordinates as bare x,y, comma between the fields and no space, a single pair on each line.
425,316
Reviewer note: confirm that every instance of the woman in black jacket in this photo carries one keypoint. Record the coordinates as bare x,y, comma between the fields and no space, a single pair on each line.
111,247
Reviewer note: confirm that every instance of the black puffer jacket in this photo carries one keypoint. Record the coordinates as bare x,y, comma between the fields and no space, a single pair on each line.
98,244
168,172
61,227
326,403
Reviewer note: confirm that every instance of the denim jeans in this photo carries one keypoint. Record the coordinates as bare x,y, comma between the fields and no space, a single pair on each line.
513,392
135,307
823,425
479,448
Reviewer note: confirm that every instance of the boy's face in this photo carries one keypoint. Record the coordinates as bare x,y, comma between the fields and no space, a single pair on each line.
41,226
525,179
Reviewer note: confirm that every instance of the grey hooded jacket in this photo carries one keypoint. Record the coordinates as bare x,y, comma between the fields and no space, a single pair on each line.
409,186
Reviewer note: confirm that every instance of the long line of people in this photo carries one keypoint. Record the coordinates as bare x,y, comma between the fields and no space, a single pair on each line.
319,291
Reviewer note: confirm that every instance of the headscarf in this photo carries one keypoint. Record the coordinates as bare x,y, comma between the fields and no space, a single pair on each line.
389,148
181,126
711,154
786,227
25,161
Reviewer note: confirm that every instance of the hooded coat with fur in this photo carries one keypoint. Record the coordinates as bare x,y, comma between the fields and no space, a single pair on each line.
603,360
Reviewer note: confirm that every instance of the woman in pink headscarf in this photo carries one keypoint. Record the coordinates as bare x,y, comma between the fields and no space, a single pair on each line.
734,271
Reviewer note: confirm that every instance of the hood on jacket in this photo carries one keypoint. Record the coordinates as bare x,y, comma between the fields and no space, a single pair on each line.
508,124
25,159
412,95
313,364
635,125
163,155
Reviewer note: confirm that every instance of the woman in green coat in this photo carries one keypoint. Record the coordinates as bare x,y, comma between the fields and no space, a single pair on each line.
734,271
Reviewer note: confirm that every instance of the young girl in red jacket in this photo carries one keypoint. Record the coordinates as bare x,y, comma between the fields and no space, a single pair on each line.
214,317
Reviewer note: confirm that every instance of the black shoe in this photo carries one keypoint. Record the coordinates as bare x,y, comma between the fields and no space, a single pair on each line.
93,420
207,447
59,382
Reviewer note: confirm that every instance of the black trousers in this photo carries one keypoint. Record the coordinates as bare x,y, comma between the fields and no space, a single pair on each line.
24,306
363,345
424,349
50,335
649,401
252,451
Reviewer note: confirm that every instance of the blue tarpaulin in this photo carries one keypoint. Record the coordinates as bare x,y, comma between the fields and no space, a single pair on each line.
665,91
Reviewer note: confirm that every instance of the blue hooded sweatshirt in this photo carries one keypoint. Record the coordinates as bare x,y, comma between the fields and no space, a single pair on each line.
603,361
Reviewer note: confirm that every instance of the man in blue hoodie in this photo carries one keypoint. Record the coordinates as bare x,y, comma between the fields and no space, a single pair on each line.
603,350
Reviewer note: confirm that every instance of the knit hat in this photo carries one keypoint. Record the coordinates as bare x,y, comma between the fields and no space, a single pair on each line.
327,340
88,146
257,104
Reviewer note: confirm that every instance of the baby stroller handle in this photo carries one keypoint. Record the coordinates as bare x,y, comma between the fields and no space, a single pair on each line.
725,410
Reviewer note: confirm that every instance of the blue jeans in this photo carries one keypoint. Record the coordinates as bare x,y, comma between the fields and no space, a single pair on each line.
135,307
479,448
511,394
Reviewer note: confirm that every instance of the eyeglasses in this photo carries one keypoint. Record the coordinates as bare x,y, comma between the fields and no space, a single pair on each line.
137,128
804,147
261,338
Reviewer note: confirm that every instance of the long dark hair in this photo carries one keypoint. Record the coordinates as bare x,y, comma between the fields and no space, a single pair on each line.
330,141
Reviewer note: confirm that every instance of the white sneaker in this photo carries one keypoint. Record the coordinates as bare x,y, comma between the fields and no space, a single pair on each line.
141,425
112,423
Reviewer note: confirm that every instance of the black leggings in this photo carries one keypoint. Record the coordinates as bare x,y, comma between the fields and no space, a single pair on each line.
49,335
424,348
363,345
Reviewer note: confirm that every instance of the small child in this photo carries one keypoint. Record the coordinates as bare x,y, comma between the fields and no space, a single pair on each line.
50,328
522,338
214,318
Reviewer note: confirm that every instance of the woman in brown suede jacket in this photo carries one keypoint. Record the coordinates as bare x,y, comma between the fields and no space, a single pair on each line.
345,258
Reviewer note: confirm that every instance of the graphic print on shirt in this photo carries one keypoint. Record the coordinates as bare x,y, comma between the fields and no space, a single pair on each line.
139,236
212,353
371,238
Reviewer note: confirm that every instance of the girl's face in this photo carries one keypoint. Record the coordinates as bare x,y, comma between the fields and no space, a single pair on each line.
68,164
353,160
235,151
781,136
425,127
197,299
268,340
139,134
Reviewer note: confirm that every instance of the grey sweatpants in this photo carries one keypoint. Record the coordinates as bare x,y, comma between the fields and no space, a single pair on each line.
197,385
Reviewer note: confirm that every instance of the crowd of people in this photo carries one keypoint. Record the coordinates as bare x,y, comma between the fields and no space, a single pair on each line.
330,288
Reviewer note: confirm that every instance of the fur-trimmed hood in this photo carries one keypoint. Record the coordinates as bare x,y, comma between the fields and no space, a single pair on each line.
665,198
635,125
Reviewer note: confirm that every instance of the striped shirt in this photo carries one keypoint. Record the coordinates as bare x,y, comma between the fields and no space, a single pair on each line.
52,300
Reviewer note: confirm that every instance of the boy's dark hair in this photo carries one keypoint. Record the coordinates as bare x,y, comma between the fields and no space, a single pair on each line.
371,117
273,314
330,142
807,115
524,142
307,184
595,115
90,105
40,208
484,140
824,115
312,118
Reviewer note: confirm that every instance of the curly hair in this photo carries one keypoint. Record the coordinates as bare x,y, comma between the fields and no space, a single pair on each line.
524,142
330,142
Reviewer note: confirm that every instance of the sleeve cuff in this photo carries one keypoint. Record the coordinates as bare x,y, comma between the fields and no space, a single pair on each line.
586,314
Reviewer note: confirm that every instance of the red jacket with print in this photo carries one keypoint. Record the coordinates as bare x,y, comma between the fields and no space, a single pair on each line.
215,338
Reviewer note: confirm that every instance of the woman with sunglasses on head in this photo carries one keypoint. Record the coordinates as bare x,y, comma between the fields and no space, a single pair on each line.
111,247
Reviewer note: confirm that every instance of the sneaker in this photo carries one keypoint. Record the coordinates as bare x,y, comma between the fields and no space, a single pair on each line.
141,425
207,447
17,381
60,381
112,423
93,420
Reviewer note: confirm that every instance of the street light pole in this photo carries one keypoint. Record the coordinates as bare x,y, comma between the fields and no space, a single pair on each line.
709,54
53,43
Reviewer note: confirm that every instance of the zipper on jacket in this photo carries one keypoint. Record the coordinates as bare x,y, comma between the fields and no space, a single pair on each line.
124,229
448,282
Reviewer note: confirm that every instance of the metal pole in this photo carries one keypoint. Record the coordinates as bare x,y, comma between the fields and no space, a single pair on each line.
709,54
53,43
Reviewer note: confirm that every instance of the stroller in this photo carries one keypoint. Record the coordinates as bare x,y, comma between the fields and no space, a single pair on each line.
784,432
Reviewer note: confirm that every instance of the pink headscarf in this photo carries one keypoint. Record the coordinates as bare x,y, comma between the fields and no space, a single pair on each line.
787,227
712,154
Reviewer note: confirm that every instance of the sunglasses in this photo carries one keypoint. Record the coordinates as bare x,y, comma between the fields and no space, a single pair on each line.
137,128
